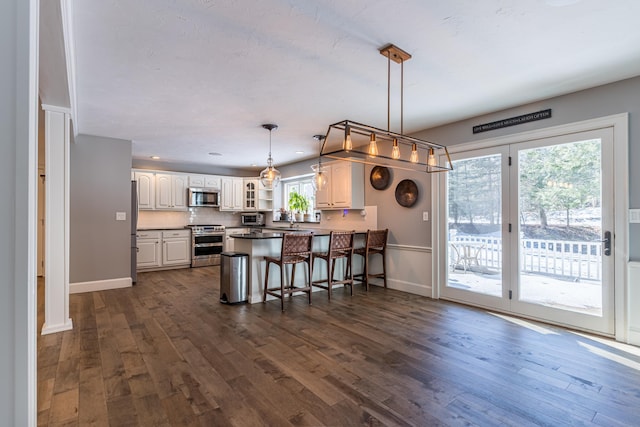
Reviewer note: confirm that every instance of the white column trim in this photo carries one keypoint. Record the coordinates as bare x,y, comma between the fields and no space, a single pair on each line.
31,416
66,9
57,137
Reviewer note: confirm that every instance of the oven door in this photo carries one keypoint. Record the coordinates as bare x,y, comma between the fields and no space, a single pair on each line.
206,249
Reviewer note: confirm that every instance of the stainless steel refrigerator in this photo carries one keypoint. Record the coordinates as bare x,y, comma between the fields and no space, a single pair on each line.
134,229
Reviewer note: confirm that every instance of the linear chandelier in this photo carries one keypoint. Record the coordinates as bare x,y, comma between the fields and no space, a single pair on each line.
357,142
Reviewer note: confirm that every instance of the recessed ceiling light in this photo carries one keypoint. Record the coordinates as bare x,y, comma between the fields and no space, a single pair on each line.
215,154
253,165
155,157
299,152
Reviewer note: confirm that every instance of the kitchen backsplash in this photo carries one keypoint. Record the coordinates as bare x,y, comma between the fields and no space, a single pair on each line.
173,219
337,220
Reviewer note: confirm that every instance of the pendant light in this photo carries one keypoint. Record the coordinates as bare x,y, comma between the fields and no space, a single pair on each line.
320,176
270,176
357,142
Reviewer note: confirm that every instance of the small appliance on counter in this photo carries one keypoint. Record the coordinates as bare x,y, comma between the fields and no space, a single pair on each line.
252,218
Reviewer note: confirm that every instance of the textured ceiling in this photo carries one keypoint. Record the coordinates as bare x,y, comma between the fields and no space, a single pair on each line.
183,78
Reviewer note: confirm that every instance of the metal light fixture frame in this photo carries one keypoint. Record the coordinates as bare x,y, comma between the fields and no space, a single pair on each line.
351,141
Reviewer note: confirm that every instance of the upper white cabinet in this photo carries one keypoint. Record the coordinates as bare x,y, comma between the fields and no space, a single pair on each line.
250,194
145,183
171,191
231,194
205,181
256,197
345,186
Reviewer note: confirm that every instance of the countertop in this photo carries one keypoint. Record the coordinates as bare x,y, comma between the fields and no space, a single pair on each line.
278,235
160,228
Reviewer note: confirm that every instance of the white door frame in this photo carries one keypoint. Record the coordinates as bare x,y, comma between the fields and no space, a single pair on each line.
620,124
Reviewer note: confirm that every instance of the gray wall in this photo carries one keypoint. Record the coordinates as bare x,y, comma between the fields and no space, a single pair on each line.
405,225
15,104
100,186
614,98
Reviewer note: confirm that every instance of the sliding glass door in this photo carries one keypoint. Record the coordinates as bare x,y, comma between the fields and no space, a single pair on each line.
530,229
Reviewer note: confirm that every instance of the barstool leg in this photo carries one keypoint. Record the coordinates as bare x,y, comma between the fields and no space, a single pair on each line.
384,268
282,274
293,279
266,282
309,282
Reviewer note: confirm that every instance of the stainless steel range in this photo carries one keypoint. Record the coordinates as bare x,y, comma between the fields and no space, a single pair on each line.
207,243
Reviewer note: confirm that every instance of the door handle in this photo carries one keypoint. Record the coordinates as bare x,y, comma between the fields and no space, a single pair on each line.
607,243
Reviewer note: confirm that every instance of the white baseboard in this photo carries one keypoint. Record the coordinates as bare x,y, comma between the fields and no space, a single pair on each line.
52,329
100,285
633,315
408,269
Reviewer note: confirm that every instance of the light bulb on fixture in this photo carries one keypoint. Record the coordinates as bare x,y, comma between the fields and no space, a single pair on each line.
395,151
320,177
431,158
270,176
414,154
348,144
373,146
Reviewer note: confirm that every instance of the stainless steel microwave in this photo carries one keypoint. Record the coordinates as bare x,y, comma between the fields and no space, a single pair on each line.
204,197
253,218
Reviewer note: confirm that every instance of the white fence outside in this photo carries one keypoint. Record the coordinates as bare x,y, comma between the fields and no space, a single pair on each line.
571,260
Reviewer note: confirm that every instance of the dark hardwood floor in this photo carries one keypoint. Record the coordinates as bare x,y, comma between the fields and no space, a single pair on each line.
167,353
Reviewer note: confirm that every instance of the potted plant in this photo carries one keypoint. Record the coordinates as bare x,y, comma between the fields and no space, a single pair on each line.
298,204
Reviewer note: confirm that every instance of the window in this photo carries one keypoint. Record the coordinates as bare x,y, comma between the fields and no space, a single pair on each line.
301,185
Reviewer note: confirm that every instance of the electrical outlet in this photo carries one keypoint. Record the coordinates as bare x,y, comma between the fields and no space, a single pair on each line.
121,216
634,216
425,216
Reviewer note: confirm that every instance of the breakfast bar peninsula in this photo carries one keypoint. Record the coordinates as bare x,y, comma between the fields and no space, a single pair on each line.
269,243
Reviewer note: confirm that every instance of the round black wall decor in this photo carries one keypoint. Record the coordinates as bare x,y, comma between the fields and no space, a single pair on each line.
406,193
380,177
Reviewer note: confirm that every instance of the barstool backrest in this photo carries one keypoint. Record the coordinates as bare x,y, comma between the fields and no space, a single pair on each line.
341,243
377,239
296,244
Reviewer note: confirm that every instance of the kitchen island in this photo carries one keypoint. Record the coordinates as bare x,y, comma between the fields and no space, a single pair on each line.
260,245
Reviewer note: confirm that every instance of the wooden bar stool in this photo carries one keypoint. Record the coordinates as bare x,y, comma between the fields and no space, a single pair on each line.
296,248
340,247
375,243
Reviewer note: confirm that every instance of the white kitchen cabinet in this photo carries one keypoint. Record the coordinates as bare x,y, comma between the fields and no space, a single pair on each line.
145,183
205,181
163,249
231,194
250,194
176,247
345,186
229,242
149,249
171,191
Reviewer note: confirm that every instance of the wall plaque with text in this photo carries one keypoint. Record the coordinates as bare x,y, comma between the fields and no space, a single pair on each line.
525,118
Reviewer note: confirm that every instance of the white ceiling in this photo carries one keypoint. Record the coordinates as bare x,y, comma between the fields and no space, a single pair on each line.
183,78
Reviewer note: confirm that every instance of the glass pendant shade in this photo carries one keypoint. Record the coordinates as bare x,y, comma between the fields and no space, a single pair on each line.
319,179
373,146
395,151
270,176
414,154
